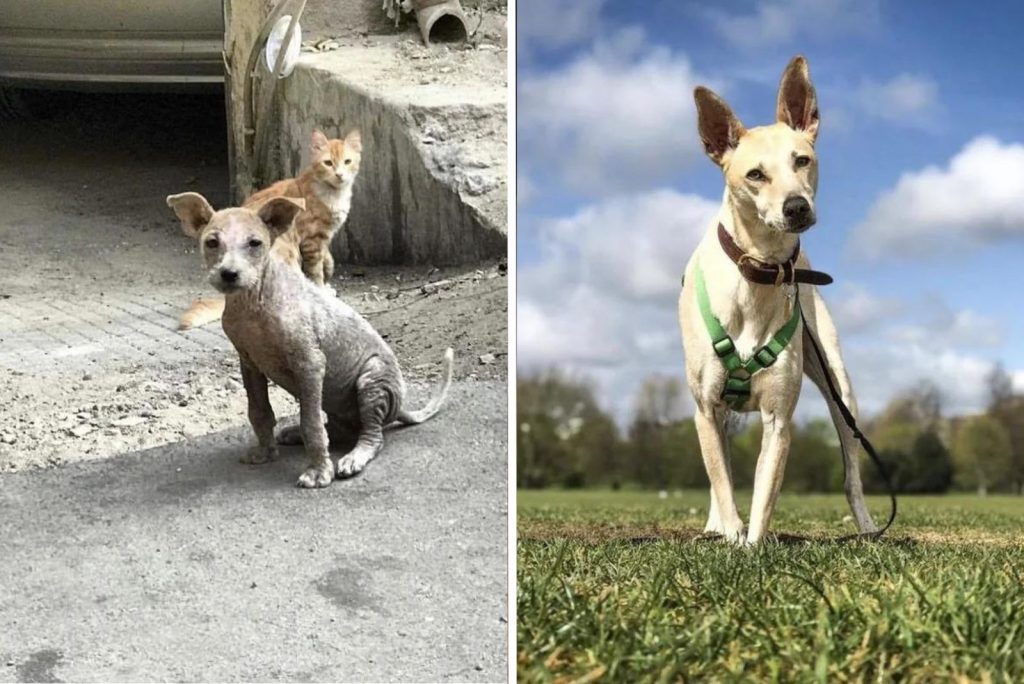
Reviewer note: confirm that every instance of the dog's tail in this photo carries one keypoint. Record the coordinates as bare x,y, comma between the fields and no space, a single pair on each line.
201,312
435,403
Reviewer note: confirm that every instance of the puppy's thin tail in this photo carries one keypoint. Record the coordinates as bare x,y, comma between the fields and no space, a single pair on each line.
201,312
436,401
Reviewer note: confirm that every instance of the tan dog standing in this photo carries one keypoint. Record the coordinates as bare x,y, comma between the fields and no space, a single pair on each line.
771,177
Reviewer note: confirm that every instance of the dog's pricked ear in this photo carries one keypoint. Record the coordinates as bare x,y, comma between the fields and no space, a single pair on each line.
279,213
354,140
720,130
319,141
798,103
193,210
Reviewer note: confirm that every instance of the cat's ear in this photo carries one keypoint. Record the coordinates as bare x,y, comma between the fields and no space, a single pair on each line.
354,140
193,210
319,142
278,213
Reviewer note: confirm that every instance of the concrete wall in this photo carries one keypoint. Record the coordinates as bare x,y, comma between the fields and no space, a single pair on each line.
414,201
432,184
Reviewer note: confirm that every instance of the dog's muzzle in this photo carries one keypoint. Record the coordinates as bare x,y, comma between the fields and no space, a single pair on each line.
798,214
226,280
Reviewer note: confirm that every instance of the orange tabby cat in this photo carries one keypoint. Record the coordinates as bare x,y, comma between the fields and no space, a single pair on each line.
326,185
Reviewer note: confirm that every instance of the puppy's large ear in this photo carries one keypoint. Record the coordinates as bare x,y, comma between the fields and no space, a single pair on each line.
193,210
319,141
798,103
354,140
278,213
720,130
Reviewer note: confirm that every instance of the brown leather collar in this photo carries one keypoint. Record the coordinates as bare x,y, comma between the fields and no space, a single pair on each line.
764,273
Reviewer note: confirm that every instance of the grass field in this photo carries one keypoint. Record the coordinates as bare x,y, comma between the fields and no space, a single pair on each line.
615,586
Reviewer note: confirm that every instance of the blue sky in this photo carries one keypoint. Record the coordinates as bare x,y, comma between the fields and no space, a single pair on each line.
921,192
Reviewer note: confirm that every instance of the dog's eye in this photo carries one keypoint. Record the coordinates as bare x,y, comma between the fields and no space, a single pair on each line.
328,162
347,162
802,161
212,243
255,242
755,175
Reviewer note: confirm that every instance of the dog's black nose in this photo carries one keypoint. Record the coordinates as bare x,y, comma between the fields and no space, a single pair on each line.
228,276
795,208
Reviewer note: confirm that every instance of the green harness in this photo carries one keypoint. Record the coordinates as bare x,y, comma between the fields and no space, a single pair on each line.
737,385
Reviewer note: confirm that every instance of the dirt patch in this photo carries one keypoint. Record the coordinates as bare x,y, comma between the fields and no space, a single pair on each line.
421,312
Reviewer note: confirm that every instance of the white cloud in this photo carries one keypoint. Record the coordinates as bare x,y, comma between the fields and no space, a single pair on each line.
634,246
857,310
557,23
964,329
602,302
526,189
1018,381
880,372
906,99
976,199
774,22
619,117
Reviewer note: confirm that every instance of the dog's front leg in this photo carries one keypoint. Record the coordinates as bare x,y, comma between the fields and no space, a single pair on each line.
374,405
320,471
771,464
261,416
724,517
714,523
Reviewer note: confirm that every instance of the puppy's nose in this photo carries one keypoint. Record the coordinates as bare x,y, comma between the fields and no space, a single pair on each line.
228,275
795,208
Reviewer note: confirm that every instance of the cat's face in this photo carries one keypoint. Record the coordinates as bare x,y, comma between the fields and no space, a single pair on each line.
336,162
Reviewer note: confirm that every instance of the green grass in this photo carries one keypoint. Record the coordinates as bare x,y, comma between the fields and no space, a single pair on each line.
615,586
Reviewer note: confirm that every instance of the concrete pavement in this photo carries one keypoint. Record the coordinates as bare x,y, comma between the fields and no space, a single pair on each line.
180,563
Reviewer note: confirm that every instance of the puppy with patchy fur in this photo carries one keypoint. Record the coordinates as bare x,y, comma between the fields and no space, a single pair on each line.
296,333
761,351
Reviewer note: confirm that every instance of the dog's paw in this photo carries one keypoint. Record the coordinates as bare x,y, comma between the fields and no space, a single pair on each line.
317,476
258,454
290,435
352,464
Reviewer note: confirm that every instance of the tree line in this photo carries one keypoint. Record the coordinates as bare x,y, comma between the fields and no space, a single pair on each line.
567,440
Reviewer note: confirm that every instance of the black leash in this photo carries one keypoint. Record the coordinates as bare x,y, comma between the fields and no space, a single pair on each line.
852,424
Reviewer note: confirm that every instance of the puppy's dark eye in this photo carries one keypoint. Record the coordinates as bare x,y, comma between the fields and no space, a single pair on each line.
328,162
802,161
347,162
756,175
255,242
212,243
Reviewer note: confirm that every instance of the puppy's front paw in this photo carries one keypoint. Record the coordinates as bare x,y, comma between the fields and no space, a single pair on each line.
351,464
259,454
317,476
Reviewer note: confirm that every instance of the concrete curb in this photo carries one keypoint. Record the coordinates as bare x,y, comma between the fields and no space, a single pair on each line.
432,185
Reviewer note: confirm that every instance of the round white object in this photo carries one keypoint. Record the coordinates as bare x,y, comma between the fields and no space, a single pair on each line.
274,40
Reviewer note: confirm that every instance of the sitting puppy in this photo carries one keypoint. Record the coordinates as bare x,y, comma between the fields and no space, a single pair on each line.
288,329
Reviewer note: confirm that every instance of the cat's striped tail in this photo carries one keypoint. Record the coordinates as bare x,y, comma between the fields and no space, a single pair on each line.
201,312
436,401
